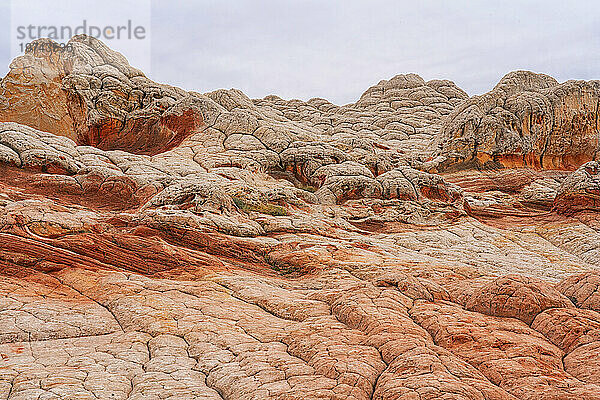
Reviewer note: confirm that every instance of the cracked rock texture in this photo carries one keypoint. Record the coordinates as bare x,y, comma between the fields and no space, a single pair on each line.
417,244
580,190
527,120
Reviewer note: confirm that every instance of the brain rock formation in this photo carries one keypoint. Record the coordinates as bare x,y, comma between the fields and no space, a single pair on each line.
416,244
527,120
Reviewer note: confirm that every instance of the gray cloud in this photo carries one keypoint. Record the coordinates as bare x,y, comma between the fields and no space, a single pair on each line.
336,49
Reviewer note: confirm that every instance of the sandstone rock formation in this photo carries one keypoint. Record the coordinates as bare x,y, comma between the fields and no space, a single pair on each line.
162,244
91,95
517,297
527,120
580,190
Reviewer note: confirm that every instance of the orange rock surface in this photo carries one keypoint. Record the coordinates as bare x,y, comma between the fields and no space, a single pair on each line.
163,244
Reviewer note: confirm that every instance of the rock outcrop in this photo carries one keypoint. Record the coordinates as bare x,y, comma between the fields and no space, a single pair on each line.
583,289
163,244
90,94
580,191
527,120
517,297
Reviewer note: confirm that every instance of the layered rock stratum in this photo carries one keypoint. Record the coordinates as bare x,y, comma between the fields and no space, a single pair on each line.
417,244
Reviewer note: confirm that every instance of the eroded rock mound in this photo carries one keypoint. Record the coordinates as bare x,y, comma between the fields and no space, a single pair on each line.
568,328
509,353
411,184
91,95
527,120
583,289
106,104
517,297
580,191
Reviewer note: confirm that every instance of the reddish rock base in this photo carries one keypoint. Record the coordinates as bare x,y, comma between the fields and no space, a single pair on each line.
138,302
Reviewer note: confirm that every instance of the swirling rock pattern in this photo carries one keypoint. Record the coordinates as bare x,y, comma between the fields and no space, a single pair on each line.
163,244
580,190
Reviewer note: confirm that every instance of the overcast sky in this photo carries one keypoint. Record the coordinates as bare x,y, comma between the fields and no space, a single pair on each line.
337,49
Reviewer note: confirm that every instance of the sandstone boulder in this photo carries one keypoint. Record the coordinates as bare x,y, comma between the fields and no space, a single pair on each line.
98,99
580,191
411,184
517,297
583,363
508,352
583,289
568,328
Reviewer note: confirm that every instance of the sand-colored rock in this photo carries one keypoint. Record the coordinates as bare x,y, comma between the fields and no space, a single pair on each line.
508,352
527,120
163,244
568,328
583,289
583,363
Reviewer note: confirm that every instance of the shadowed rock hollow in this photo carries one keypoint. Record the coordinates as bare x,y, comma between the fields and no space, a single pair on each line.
158,243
